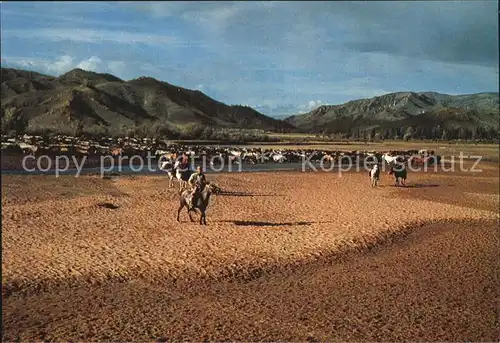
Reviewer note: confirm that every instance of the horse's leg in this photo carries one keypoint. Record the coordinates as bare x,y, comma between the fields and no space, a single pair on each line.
189,213
179,211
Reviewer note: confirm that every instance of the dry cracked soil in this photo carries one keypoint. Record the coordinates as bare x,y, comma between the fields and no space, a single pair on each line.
286,256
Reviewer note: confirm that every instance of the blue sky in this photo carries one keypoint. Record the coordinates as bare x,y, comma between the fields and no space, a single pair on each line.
278,57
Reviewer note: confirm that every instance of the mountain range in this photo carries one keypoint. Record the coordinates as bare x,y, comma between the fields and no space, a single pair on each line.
86,102
423,111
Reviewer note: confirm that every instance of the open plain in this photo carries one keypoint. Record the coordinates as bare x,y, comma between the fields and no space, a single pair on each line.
285,256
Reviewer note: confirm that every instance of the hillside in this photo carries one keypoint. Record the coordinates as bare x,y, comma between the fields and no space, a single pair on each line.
429,114
87,102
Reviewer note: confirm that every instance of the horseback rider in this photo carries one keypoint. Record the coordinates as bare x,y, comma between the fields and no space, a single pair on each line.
184,164
197,181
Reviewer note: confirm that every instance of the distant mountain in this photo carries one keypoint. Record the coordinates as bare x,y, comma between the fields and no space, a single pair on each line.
82,101
427,113
87,102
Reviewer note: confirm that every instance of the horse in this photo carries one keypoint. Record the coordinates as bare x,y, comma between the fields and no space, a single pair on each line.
183,177
173,172
399,172
278,157
374,174
201,202
167,167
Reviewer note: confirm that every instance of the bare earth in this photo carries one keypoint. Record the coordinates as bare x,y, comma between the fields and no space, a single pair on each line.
286,256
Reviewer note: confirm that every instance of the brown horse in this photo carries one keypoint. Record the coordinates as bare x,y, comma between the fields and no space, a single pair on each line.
400,173
201,203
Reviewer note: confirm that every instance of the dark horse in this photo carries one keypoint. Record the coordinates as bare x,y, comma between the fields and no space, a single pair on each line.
201,203
399,172
182,175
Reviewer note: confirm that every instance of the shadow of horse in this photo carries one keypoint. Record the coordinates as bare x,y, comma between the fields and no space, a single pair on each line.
263,223
420,185
243,194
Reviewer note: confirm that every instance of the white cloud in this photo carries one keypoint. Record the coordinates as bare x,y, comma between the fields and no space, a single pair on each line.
62,65
313,104
117,68
72,16
57,67
215,19
90,64
92,36
66,63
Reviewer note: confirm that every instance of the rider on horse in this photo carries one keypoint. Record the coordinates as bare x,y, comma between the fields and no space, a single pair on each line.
184,163
197,181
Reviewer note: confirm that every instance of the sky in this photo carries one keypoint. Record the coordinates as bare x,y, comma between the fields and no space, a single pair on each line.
279,57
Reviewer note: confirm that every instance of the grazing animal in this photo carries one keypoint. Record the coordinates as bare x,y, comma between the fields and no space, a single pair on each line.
167,166
328,158
174,172
400,173
388,158
201,203
278,157
116,151
183,177
374,174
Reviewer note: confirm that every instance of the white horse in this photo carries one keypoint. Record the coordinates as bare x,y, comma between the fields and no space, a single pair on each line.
167,167
278,157
374,175
183,183
235,153
392,159
388,158
173,173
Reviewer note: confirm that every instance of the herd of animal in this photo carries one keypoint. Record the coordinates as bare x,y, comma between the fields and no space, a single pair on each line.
398,170
171,153
175,172
77,146
74,146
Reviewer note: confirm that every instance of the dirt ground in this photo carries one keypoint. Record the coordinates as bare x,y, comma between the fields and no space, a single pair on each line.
285,256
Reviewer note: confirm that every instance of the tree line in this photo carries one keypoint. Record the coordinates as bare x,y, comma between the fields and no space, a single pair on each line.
416,132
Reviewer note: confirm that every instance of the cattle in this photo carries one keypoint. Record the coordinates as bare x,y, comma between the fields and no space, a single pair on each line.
210,154
116,151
